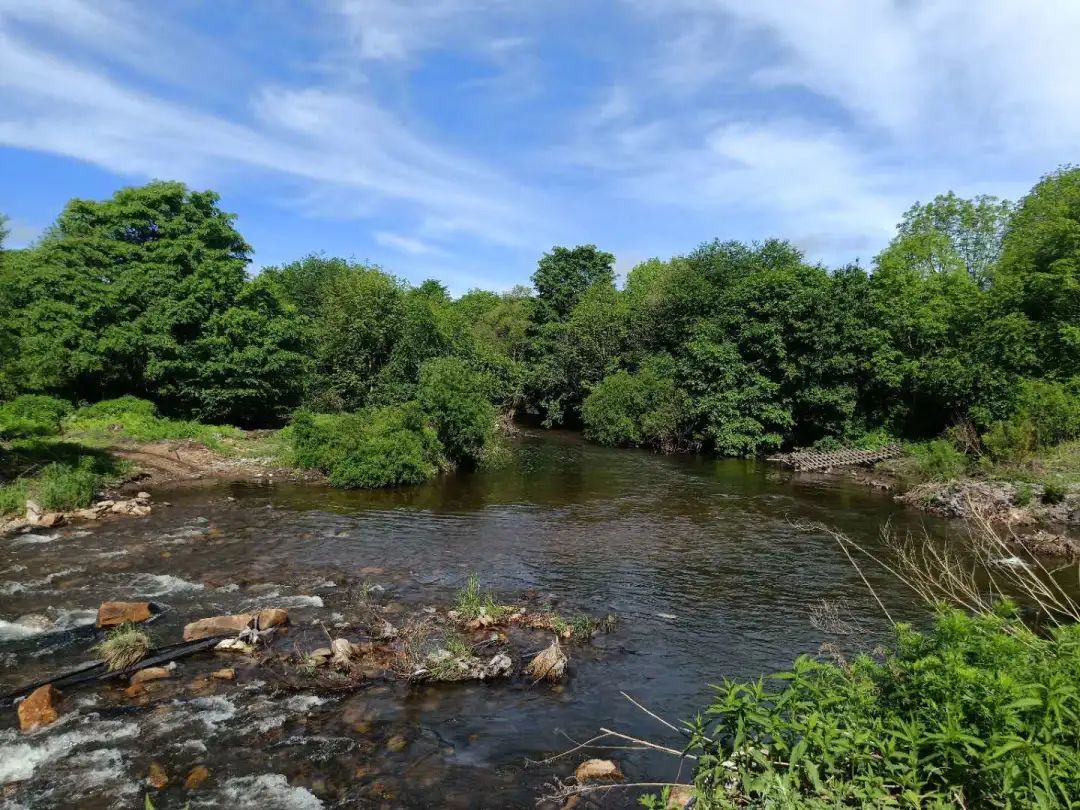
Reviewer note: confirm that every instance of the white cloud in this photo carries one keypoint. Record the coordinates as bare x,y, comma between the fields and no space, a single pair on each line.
407,244
342,146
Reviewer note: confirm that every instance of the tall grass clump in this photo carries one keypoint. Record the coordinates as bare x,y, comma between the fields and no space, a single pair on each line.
938,460
124,647
474,602
32,415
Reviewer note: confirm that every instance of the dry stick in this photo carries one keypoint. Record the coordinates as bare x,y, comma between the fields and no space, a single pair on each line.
862,576
647,744
654,716
578,746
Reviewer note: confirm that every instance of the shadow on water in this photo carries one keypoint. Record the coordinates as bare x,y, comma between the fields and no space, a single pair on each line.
698,557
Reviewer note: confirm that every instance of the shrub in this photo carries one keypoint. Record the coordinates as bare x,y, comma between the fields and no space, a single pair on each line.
939,460
1053,493
976,712
455,399
634,409
376,447
1023,495
32,415
1047,413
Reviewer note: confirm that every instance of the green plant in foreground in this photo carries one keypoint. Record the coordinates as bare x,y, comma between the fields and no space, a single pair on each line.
124,647
473,602
976,712
1053,493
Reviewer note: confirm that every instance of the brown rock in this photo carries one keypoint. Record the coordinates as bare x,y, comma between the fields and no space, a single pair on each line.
150,674
227,674
112,614
33,512
273,617
196,777
50,520
40,708
135,690
237,623
397,744
594,770
217,626
157,778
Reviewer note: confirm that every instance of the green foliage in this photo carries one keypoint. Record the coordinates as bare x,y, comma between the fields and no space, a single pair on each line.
134,419
978,712
456,400
938,460
563,275
377,447
147,293
1053,493
473,602
58,475
641,408
31,415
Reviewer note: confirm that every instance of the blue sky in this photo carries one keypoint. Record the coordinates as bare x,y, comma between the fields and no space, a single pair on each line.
459,139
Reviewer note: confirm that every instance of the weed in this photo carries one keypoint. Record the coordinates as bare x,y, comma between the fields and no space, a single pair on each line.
138,420
1053,493
938,460
124,647
472,602
1023,494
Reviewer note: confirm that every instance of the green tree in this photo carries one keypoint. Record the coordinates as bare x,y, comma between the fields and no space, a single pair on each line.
951,234
1039,279
563,275
121,295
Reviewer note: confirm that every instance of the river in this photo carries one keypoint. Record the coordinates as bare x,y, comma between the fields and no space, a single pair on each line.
698,558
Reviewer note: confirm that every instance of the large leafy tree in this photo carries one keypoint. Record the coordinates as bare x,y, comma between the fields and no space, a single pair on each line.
1039,280
951,234
563,275
130,294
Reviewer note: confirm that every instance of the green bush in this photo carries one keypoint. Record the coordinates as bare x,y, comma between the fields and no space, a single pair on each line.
13,497
32,415
644,408
976,712
376,447
1047,413
455,399
939,460
1024,494
1053,493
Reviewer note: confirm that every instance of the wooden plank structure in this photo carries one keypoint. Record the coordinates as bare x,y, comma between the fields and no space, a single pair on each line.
812,460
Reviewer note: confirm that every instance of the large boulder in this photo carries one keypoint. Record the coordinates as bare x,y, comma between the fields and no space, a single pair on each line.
40,708
113,614
235,624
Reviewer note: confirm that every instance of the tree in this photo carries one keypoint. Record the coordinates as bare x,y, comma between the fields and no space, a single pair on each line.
124,295
951,234
1039,277
563,275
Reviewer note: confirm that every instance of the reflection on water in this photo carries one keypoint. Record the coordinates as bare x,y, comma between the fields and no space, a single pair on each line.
699,558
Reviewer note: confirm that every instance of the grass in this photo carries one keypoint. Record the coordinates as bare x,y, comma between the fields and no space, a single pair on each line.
57,474
133,419
123,647
473,602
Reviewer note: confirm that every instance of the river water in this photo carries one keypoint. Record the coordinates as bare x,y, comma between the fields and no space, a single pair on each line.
700,559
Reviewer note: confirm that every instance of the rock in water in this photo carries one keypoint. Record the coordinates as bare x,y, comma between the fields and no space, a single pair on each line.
342,651
157,778
40,708
50,520
597,770
227,674
151,674
33,512
196,777
113,614
235,624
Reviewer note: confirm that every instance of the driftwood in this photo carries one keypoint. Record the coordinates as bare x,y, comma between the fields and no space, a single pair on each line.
97,670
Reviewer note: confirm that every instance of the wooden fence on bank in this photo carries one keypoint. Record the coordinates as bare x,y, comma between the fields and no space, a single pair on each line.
811,460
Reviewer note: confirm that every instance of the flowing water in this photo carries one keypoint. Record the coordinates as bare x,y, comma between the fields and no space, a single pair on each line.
700,560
